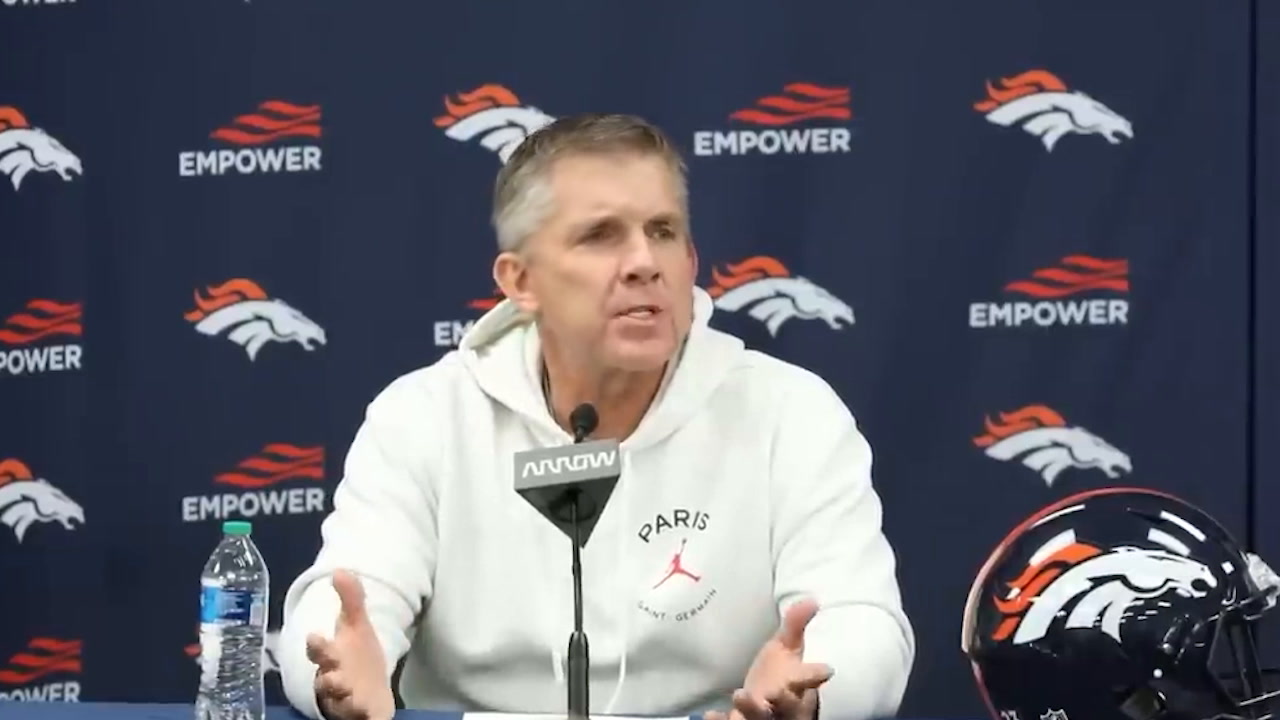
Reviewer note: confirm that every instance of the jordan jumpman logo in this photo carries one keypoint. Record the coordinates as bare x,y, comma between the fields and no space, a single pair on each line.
676,568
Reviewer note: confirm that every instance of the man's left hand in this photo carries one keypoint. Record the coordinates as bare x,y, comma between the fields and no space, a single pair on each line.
780,685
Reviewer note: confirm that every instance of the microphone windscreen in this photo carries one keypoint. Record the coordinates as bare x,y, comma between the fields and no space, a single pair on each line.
584,420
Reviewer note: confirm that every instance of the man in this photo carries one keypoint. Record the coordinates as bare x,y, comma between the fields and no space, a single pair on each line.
740,565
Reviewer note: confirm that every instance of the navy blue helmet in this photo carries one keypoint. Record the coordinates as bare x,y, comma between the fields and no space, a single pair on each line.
1120,604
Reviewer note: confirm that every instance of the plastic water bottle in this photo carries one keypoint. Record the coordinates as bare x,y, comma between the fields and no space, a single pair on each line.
234,590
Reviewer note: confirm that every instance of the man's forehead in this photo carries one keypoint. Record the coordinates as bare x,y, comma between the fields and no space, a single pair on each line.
644,186
613,169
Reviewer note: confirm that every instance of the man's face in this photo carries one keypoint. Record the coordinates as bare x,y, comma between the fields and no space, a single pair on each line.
611,270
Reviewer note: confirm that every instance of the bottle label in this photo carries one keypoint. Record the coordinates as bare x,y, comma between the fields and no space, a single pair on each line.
231,608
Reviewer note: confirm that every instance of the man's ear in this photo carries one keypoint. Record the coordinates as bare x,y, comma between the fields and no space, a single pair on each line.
511,275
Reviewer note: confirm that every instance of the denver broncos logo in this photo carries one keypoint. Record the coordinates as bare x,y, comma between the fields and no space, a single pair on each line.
493,114
1040,102
26,500
1083,587
24,148
1041,438
251,319
771,294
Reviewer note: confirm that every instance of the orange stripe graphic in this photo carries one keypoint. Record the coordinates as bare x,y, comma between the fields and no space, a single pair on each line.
1075,274
274,120
800,101
41,319
275,463
43,656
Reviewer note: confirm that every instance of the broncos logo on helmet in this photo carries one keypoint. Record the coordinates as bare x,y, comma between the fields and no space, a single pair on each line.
26,500
1120,603
769,293
251,319
1094,589
24,148
1040,102
1045,443
493,114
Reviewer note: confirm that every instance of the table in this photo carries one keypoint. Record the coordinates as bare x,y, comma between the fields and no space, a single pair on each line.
174,711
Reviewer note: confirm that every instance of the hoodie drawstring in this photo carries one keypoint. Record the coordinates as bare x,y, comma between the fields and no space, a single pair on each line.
547,609
625,566
558,636
559,633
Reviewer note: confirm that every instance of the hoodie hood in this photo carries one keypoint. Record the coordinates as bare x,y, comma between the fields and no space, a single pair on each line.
503,353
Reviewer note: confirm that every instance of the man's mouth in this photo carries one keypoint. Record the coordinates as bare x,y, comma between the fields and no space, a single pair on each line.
640,312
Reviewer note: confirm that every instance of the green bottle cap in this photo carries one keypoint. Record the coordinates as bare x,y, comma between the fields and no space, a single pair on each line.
237,527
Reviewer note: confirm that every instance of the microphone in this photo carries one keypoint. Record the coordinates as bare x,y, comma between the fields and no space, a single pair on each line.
570,485
583,420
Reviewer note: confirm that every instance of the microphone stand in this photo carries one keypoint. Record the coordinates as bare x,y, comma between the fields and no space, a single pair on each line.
579,655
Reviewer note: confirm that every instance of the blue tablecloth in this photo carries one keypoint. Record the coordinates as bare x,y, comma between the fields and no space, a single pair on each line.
147,711
13,710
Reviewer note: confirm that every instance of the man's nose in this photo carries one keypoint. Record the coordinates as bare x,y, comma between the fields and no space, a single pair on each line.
639,262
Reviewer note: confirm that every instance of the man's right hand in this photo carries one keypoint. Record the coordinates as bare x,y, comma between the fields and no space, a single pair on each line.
351,681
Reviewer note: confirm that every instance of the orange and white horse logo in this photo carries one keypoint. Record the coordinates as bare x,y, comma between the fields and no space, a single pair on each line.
251,319
24,148
1041,439
768,292
26,500
493,115
1040,102
1077,585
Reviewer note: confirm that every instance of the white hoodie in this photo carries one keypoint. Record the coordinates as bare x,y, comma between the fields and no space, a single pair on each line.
750,467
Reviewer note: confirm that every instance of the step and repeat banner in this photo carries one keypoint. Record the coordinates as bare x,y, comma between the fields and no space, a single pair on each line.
1265,395
1022,240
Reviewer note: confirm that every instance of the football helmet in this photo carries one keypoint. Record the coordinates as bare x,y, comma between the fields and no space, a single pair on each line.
1120,604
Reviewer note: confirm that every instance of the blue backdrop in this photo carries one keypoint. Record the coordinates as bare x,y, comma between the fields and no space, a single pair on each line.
225,225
